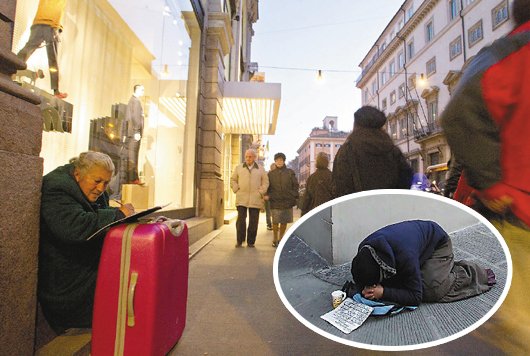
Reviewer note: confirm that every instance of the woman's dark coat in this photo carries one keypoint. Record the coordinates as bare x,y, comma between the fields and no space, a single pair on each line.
370,154
319,189
68,263
283,188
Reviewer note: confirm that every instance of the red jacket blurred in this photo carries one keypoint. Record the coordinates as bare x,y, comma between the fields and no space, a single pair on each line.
487,122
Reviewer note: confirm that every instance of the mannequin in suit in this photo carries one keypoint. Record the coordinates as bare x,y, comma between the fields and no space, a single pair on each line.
132,130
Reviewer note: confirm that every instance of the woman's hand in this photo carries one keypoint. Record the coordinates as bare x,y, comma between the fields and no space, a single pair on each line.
127,209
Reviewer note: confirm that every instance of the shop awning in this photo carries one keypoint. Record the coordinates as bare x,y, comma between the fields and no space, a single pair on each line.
251,107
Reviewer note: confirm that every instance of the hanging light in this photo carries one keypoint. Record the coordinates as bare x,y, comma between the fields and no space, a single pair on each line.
422,81
319,75
165,72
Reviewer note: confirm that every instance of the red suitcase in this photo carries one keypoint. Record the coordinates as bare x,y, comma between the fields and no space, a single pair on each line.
141,290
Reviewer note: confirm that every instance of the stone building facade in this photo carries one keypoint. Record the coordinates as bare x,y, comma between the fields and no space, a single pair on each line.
417,60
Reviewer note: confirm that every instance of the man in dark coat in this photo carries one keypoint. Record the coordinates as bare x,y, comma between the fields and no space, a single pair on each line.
368,159
319,187
74,205
412,262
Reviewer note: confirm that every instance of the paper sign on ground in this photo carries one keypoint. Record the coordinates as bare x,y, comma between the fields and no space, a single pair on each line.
348,316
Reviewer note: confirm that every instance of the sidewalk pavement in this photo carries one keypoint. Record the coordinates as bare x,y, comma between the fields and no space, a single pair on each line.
233,307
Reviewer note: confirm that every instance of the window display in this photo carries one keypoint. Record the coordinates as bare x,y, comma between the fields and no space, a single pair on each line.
131,72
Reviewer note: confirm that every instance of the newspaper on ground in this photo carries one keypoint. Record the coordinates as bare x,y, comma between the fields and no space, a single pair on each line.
348,316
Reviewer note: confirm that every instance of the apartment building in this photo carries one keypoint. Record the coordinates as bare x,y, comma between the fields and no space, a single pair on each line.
412,67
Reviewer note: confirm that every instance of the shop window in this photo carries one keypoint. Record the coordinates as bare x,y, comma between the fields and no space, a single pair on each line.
104,57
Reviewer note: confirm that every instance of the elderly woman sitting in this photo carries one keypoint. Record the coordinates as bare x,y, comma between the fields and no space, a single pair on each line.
74,205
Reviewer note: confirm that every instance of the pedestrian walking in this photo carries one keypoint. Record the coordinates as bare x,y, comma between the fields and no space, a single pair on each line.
369,159
319,186
283,194
249,182
487,127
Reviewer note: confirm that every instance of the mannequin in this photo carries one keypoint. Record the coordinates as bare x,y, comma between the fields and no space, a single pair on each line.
132,131
47,28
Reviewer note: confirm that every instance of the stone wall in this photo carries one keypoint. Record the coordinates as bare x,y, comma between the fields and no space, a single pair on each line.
20,181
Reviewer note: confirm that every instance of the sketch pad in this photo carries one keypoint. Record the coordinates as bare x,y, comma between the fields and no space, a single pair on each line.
128,219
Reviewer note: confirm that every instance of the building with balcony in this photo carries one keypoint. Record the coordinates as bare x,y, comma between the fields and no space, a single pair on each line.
412,67
326,139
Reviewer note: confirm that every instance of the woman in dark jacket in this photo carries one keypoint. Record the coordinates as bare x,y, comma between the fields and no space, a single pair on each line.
319,185
283,194
369,159
74,205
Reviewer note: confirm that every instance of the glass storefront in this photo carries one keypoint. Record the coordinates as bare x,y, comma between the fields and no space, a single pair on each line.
117,58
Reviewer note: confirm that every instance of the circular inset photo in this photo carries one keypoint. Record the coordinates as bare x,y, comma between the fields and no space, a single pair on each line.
392,270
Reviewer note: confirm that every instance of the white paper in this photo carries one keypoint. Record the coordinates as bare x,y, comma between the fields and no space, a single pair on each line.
348,316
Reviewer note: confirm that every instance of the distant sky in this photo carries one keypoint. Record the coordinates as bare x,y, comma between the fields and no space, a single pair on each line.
315,34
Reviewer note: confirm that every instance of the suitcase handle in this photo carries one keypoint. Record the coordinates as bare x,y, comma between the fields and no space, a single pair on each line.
130,299
175,226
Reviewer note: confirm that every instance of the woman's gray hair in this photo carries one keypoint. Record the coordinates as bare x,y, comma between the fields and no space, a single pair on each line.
87,160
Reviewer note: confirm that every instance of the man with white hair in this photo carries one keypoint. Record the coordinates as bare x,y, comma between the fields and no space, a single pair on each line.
249,182
74,205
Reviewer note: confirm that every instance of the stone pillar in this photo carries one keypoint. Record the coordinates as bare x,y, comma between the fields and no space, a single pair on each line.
20,179
217,45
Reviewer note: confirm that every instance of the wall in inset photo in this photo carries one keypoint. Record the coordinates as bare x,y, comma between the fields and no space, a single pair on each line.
335,231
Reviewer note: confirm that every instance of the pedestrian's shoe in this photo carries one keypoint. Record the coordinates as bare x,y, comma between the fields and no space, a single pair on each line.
239,244
250,245
60,95
274,243
269,228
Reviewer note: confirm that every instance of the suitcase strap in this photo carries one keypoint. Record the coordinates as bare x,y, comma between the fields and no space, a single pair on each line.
126,293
